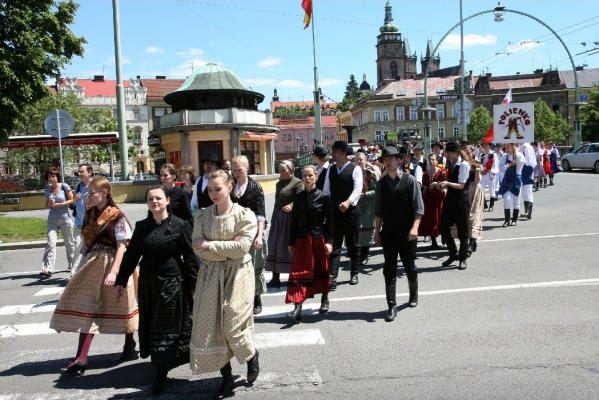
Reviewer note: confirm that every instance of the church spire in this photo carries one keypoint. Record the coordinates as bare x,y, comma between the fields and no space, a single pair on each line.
389,26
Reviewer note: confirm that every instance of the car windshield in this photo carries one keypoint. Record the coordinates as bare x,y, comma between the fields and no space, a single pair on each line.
583,149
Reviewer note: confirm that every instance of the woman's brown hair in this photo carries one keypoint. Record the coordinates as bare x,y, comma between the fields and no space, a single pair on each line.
102,184
193,176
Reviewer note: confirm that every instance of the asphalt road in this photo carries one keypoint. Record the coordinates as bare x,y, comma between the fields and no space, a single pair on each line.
521,322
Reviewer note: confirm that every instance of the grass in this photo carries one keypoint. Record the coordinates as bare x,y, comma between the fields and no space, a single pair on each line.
23,229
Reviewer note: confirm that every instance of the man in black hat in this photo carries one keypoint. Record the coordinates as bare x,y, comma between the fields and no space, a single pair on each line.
200,198
455,206
344,184
398,208
319,157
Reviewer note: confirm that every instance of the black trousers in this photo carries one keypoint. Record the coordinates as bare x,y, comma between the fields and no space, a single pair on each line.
346,226
406,249
455,211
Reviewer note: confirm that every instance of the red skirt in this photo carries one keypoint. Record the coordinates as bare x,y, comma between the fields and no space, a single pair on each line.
309,272
430,224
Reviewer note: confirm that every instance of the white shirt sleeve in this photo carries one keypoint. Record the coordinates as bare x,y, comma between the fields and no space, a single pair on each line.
327,185
355,195
194,197
520,161
503,164
122,230
418,174
464,172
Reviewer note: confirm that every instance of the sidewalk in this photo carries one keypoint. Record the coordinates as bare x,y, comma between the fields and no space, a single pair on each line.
39,244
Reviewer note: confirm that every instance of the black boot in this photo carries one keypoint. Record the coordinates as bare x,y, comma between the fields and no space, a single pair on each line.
257,304
473,245
275,282
550,180
226,386
486,205
324,304
253,368
491,204
413,286
470,251
334,271
544,183
364,255
392,313
354,270
296,314
525,210
515,217
529,210
434,244
506,212
160,382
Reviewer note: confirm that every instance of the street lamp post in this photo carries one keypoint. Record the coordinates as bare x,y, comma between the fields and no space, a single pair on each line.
297,150
462,68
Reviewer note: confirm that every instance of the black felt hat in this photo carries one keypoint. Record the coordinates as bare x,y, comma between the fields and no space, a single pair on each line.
212,158
439,145
319,151
389,151
343,146
451,146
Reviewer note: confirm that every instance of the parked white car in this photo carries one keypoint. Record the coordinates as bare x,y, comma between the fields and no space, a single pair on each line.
585,157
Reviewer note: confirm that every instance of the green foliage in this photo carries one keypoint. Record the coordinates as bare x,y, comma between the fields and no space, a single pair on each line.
352,95
480,121
292,111
549,125
590,117
35,45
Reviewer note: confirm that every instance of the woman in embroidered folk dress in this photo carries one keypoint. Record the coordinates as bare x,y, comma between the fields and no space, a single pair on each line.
88,304
430,225
180,204
167,276
553,160
476,200
311,242
279,260
366,205
539,171
223,318
247,193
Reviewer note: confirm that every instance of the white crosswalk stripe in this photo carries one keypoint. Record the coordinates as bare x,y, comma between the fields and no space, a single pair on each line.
48,306
50,291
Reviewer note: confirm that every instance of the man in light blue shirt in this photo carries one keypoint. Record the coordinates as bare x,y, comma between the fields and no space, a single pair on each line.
85,173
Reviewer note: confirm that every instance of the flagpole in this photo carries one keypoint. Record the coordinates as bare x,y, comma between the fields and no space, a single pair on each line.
317,124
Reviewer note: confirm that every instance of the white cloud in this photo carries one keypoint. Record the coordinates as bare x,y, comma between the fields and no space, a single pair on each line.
182,71
523,45
292,83
270,62
192,52
153,49
124,60
453,41
260,81
329,82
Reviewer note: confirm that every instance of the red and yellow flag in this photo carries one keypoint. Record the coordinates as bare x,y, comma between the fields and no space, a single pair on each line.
307,6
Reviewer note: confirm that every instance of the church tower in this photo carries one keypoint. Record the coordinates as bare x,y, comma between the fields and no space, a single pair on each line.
394,61
435,63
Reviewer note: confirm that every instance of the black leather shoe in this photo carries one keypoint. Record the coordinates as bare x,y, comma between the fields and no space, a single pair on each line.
75,366
275,282
324,305
506,214
449,261
160,381
296,314
226,388
462,265
257,305
413,286
391,314
253,368
434,245
474,245
128,352
354,280
333,285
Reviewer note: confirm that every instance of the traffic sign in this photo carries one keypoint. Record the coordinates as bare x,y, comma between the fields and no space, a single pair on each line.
584,97
467,105
59,121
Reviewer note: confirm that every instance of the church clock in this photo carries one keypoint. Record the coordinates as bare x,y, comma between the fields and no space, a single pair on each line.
392,50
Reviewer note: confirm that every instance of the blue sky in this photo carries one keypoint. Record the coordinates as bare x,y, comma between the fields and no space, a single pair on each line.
263,41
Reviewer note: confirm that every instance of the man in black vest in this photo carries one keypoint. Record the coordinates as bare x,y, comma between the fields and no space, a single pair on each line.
319,157
455,206
398,208
344,184
200,198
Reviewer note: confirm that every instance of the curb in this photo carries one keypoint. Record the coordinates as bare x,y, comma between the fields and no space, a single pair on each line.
40,244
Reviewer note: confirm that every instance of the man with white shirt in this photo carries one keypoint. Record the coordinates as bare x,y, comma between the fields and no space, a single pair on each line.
200,198
319,157
490,164
418,158
344,184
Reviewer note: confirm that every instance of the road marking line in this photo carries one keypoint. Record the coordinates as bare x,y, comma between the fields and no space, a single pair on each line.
20,273
25,330
300,337
50,291
48,306
538,237
281,311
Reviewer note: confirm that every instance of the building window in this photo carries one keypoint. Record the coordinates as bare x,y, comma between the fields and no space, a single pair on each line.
115,113
381,115
456,131
440,132
287,149
379,135
158,112
400,114
136,114
454,111
413,113
440,111
393,70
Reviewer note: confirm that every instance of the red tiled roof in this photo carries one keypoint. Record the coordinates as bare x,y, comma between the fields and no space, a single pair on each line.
515,83
102,88
158,88
411,86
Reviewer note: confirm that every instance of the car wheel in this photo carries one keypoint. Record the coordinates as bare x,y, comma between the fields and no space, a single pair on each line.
597,167
565,165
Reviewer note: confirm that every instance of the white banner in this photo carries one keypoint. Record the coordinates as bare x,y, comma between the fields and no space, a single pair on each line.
514,123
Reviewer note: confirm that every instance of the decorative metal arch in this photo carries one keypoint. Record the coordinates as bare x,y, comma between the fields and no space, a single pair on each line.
577,103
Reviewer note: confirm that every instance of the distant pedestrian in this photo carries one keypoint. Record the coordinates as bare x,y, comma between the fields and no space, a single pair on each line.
179,204
85,172
553,160
189,176
430,225
58,198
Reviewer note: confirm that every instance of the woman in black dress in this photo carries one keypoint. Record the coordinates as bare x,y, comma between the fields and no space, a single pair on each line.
180,204
167,278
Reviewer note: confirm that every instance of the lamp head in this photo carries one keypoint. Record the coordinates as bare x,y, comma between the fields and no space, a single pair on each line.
499,14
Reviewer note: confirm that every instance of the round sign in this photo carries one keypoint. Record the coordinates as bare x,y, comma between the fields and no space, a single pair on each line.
59,122
467,105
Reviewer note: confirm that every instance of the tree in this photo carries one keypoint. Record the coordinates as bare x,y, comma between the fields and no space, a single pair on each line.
352,95
480,121
590,117
35,44
549,126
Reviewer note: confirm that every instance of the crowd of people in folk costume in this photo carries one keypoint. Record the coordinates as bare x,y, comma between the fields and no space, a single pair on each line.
189,277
